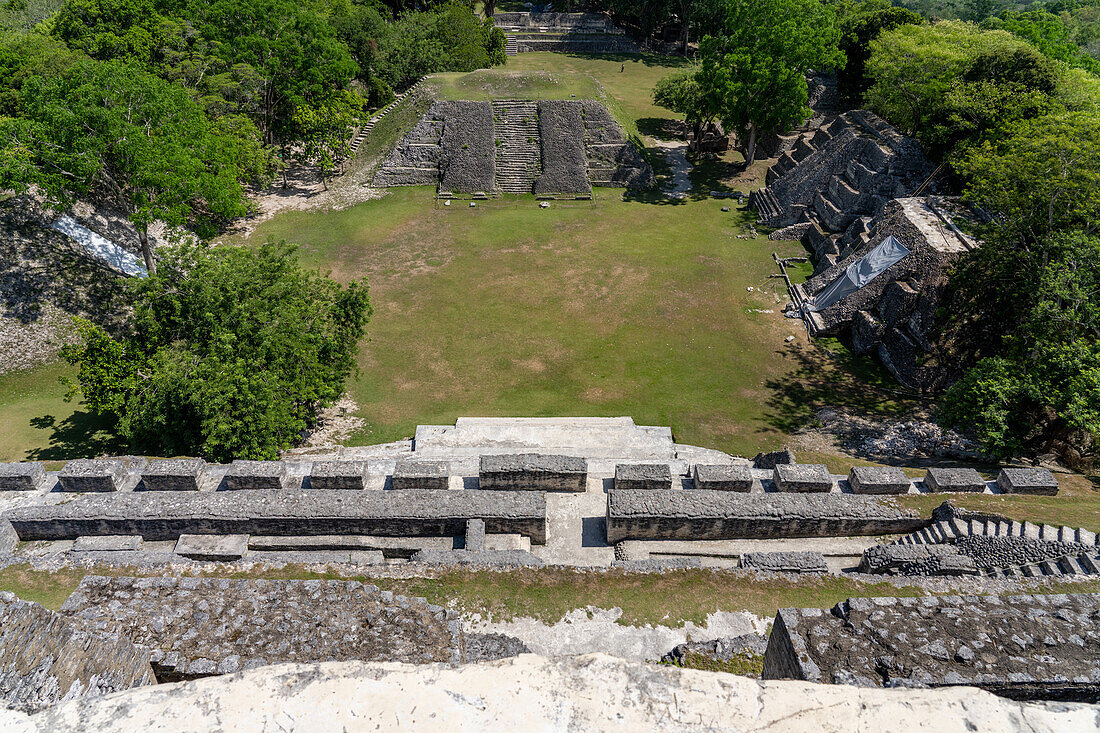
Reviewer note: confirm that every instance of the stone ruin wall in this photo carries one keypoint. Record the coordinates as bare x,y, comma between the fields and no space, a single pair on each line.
46,658
455,145
563,33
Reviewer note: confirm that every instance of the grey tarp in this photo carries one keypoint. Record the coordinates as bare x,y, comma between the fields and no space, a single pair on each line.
859,273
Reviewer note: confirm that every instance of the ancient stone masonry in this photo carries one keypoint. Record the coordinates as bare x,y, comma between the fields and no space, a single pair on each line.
1027,481
802,477
28,476
533,472
954,480
46,658
551,148
256,475
421,475
851,166
92,475
564,166
468,164
878,480
173,474
714,515
892,316
648,476
338,475
562,33
198,627
167,515
723,477
785,562
1022,647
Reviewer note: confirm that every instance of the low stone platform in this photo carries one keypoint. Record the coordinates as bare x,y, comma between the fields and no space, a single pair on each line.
723,477
28,476
785,562
717,515
878,480
646,476
46,658
198,627
802,478
1021,647
167,515
954,480
533,472
1027,481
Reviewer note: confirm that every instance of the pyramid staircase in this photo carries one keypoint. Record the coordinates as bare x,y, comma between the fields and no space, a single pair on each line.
519,157
364,131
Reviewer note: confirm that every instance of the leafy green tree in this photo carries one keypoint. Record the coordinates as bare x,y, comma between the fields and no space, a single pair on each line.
233,352
680,92
753,72
1048,33
859,25
326,133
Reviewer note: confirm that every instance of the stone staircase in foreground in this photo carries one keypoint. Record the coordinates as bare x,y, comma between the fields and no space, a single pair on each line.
1086,563
364,131
518,161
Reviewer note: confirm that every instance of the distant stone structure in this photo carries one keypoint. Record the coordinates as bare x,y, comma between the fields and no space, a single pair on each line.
46,658
1021,647
562,33
549,148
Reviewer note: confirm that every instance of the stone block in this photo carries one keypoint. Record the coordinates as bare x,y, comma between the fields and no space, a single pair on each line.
8,537
107,543
785,562
255,475
338,475
771,459
410,475
173,474
533,472
213,547
475,535
723,477
99,475
802,478
878,480
26,476
942,480
649,476
1027,481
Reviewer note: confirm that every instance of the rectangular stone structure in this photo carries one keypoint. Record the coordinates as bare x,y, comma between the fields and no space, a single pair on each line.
726,515
533,472
159,515
802,478
475,535
255,475
338,475
1027,481
722,478
173,474
878,480
942,480
107,543
25,476
785,562
213,547
99,475
1021,647
434,475
648,476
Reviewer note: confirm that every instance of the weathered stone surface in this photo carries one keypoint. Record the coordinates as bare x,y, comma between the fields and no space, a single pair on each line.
338,475
8,537
719,515
730,649
433,475
198,627
722,477
46,658
533,472
597,692
649,476
166,515
214,547
802,478
490,647
1023,647
904,559
28,476
785,562
479,558
85,474
255,475
107,543
390,547
954,479
561,132
475,535
878,480
1027,481
173,474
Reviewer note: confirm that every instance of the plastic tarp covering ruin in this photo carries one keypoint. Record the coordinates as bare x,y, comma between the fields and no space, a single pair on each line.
859,273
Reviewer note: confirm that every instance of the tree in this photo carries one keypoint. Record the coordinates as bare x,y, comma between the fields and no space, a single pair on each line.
115,130
860,25
680,92
753,72
1043,178
232,354
326,134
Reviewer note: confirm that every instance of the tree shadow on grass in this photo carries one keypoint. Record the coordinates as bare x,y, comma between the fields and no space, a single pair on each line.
832,377
649,59
709,175
662,128
80,435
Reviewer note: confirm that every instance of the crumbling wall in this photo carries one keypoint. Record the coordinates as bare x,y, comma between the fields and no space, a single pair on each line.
46,658
612,159
468,161
564,167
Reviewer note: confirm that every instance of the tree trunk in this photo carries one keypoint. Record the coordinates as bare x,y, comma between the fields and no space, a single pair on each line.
147,250
750,148
684,40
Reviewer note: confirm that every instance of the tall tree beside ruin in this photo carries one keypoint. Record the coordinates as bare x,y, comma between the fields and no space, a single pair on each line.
753,72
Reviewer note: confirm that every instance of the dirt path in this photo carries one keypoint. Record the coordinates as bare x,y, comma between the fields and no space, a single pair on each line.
675,152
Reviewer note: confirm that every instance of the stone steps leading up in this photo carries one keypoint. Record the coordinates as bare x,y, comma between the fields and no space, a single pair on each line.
518,161
511,48
1083,564
948,529
765,203
365,130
